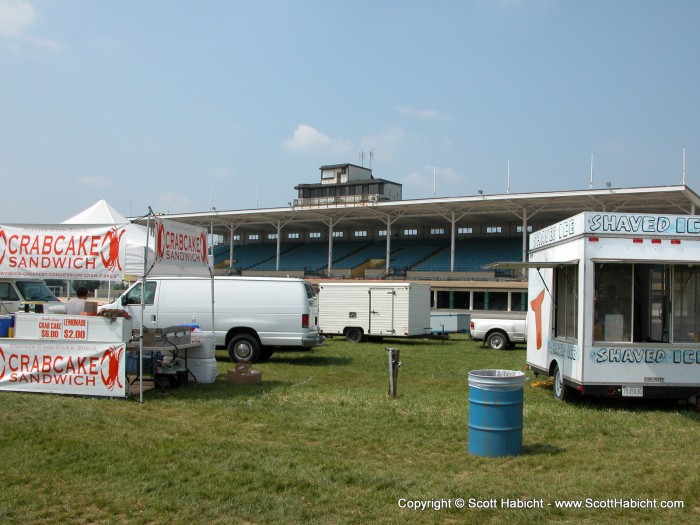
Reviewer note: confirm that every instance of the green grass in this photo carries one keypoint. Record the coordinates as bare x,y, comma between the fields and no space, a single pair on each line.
320,441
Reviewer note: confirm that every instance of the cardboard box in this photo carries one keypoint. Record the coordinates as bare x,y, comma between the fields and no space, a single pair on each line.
243,375
90,307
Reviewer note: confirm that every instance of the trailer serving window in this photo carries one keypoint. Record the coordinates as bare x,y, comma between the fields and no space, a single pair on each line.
566,283
632,303
686,303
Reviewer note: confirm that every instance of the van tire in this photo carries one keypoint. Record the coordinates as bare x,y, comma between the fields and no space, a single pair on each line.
354,334
497,341
244,348
561,391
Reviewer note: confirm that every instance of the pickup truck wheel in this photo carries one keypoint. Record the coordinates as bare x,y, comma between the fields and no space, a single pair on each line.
497,341
354,335
245,348
561,391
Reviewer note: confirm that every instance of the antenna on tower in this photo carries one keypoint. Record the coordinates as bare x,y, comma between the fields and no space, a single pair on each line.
590,184
371,157
433,181
508,180
683,180
362,157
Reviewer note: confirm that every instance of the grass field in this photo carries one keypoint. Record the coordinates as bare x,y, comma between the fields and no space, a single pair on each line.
320,441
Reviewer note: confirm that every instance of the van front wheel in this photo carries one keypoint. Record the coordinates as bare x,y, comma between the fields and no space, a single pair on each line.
244,348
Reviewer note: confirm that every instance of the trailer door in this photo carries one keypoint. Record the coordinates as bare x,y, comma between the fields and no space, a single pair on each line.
381,311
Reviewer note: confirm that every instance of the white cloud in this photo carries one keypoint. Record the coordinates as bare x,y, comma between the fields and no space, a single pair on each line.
45,44
223,173
386,144
308,139
15,18
423,114
97,182
425,178
172,203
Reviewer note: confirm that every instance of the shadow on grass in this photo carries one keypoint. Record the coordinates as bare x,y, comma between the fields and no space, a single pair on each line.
219,390
541,449
311,360
633,404
295,359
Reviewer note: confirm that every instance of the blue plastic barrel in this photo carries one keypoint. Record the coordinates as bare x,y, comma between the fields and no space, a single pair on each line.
496,412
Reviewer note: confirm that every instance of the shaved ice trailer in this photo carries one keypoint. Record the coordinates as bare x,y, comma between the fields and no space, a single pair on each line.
614,305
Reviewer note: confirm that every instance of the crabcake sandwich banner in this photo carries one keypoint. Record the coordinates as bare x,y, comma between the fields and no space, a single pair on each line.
63,251
180,244
62,367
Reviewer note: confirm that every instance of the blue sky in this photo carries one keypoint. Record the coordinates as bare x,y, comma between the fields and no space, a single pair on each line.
182,105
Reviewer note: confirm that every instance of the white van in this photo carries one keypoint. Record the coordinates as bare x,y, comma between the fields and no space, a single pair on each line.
15,291
252,315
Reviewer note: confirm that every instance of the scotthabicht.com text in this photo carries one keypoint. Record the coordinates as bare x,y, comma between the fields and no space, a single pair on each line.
507,503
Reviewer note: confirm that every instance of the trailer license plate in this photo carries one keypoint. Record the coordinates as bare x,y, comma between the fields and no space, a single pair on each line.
632,391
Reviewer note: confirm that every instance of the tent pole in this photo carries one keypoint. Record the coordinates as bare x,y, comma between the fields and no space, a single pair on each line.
143,304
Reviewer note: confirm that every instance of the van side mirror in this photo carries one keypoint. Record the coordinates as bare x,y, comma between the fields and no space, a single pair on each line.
123,301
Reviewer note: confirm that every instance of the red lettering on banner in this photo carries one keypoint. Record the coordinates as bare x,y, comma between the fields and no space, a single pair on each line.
47,365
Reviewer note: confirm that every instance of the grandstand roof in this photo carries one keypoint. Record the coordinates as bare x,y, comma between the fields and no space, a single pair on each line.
544,208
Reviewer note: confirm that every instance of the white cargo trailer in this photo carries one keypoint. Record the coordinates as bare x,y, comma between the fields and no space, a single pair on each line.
614,305
357,310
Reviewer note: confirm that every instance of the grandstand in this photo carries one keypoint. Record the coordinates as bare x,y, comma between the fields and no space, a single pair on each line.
444,241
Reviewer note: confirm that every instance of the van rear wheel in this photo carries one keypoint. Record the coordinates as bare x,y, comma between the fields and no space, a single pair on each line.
244,348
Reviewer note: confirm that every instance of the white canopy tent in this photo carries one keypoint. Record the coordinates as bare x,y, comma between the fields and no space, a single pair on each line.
136,235
137,239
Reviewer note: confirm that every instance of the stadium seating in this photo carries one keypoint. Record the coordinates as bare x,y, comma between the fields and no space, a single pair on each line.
471,255
406,254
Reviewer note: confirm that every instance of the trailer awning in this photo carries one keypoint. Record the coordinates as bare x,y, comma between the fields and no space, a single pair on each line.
522,265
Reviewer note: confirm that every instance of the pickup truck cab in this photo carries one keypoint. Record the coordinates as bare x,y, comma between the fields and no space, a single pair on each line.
498,333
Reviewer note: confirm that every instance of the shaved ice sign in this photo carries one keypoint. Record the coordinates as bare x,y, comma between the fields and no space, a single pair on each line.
180,244
66,251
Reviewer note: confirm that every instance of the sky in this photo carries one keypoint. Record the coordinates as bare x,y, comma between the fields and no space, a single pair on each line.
186,105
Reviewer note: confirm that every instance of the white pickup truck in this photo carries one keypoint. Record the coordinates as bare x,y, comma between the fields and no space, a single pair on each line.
498,333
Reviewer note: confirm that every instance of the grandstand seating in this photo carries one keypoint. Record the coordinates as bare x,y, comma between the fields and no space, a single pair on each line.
375,250
406,254
471,255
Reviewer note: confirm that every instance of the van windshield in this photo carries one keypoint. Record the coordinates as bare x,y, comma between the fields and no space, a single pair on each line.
36,291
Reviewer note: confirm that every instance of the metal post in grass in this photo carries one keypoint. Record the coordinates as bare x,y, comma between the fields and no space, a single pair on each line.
394,365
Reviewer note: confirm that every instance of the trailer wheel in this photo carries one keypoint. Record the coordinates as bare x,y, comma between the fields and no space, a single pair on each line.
561,391
497,341
244,347
354,335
